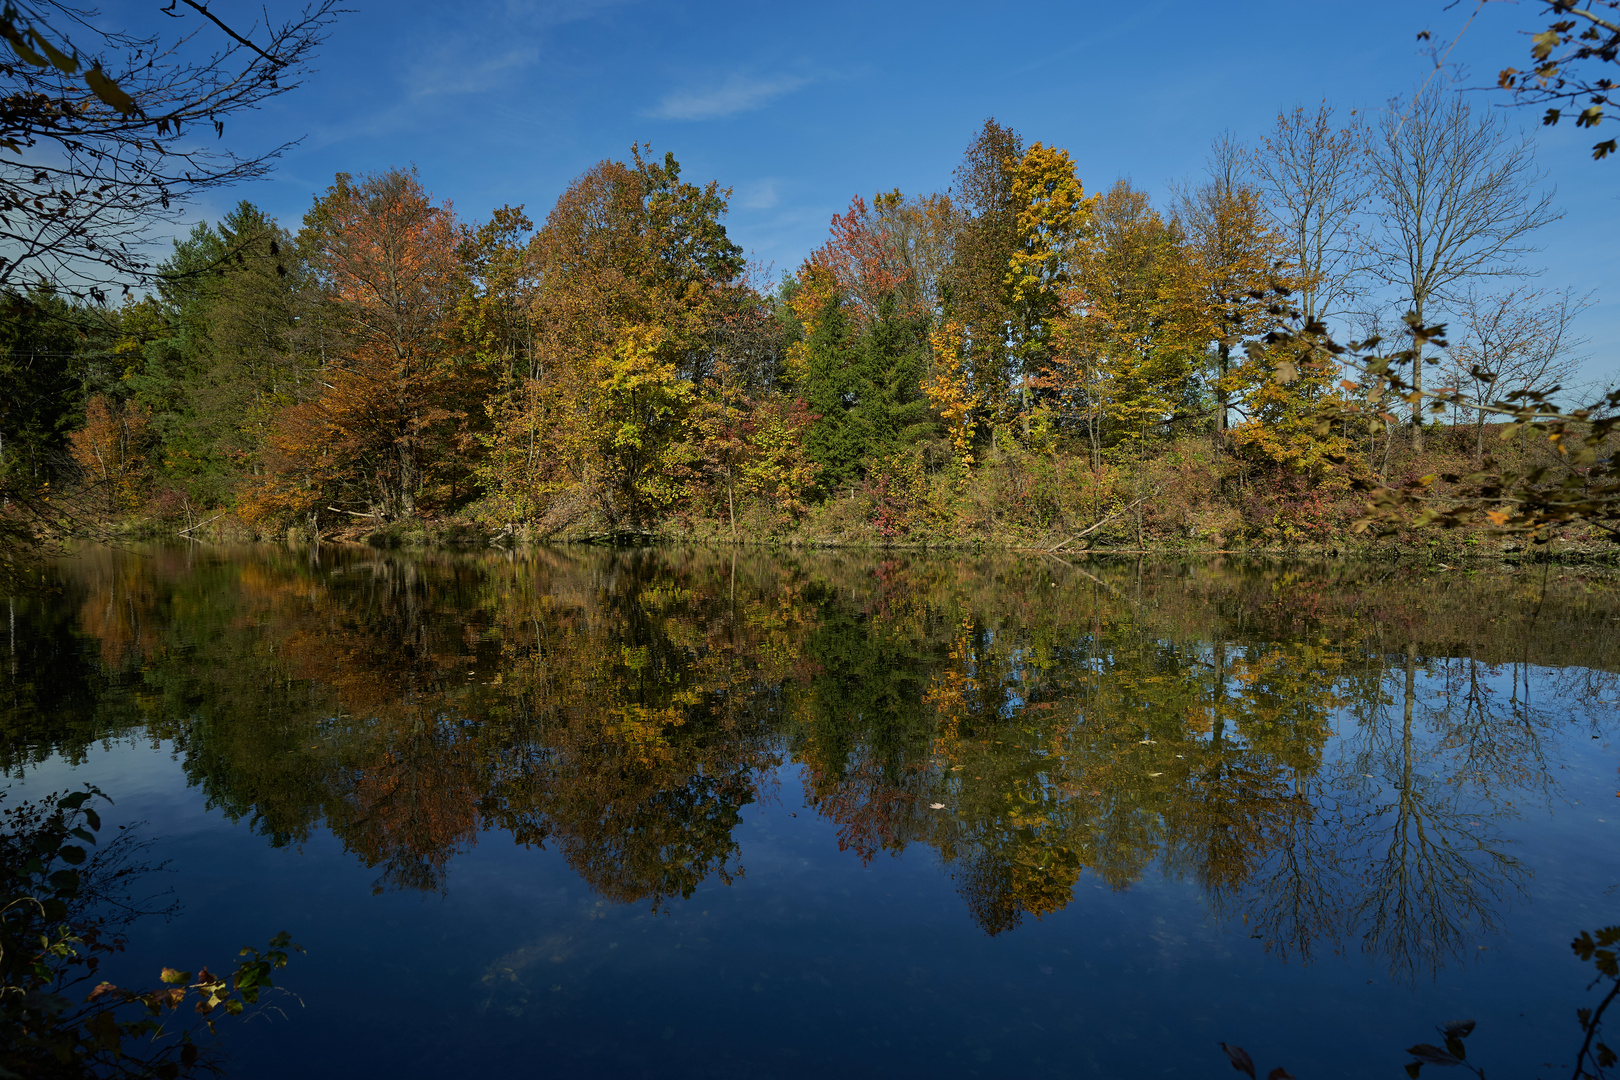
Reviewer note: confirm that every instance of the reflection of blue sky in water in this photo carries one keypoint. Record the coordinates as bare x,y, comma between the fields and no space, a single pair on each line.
813,963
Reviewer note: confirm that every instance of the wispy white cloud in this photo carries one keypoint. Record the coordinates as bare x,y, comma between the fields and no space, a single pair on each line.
472,56
739,93
759,194
464,78
547,13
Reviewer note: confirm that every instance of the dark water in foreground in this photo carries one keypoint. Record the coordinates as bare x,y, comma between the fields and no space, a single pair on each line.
585,813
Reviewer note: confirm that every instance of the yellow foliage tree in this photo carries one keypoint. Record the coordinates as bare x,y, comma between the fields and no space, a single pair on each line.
637,425
950,391
1053,217
1131,340
633,275
1243,261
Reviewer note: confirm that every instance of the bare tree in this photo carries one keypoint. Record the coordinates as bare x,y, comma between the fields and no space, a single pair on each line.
1506,345
105,134
1315,183
1460,196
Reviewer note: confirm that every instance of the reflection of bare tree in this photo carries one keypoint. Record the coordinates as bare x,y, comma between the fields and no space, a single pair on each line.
1300,881
1435,872
1398,845
1495,744
1581,695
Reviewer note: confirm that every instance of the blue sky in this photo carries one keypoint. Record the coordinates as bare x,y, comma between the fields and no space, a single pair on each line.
798,107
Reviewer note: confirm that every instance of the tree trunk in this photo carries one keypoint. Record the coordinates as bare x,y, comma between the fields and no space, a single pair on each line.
1417,385
407,481
1407,752
731,507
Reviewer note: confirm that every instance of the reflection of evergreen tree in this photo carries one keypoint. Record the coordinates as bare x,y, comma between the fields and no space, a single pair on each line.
50,682
866,695
863,730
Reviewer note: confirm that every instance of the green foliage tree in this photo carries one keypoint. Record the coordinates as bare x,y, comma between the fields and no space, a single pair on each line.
42,372
1130,345
974,290
224,346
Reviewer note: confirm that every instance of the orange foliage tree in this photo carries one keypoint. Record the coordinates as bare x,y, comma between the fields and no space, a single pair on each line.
384,431
110,449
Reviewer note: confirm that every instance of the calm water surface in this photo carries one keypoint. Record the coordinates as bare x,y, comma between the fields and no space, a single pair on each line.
681,813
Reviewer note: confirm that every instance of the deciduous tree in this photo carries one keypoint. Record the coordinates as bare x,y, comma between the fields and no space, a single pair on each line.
1241,262
397,393
1130,347
1509,345
1314,182
1460,197
636,279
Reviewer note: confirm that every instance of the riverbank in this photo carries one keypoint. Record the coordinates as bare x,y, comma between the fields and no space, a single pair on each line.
1182,501
1432,546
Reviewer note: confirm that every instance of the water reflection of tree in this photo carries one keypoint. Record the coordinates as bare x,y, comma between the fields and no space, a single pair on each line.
1403,857
623,708
633,724
412,804
861,727
1436,870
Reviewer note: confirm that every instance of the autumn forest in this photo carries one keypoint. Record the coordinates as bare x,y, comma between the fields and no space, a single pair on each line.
1030,357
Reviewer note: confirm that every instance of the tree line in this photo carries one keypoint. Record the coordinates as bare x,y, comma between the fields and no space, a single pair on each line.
1017,357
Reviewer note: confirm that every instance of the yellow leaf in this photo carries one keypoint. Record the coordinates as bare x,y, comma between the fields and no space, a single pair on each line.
108,91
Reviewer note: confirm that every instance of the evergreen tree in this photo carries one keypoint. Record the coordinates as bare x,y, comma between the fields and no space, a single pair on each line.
890,411
223,349
828,384
974,292
41,361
